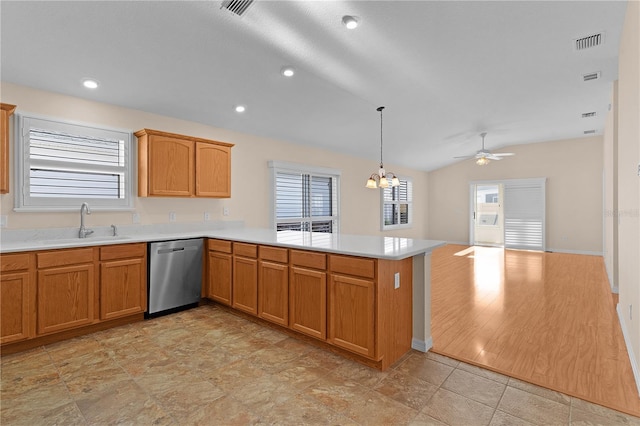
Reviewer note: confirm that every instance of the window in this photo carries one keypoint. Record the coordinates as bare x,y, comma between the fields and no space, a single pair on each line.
61,165
396,206
305,198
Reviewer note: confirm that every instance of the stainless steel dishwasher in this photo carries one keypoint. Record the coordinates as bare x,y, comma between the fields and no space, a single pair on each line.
175,275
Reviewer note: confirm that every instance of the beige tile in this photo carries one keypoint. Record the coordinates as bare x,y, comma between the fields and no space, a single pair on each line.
454,409
500,418
540,391
426,369
443,359
262,394
533,408
323,358
122,403
488,374
366,376
67,414
423,419
299,377
36,403
302,410
475,387
235,376
222,411
335,392
77,347
272,359
583,412
373,408
179,400
408,390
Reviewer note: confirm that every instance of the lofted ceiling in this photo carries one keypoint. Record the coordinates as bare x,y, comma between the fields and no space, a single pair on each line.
445,70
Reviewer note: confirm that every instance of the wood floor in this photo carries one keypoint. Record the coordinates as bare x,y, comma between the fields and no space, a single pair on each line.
546,318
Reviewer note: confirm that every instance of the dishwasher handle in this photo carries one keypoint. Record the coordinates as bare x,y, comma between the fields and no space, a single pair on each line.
170,250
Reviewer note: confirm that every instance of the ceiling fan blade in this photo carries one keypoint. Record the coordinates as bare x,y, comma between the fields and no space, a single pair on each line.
465,156
503,154
493,157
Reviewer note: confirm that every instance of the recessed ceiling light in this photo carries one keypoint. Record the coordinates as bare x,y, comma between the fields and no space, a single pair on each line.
349,21
90,83
241,108
288,71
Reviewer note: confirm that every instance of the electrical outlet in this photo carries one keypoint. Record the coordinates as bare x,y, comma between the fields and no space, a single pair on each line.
4,221
396,280
135,218
172,216
207,216
225,211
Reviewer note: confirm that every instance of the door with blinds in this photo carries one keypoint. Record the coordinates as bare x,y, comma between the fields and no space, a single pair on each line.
524,214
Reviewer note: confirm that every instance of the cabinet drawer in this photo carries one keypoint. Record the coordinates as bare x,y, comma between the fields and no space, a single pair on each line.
274,254
246,250
219,245
14,262
353,266
123,251
50,259
309,259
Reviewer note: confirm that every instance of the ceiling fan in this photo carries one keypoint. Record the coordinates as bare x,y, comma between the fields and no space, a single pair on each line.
483,157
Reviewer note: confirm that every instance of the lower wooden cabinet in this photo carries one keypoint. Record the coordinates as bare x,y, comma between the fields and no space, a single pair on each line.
123,280
308,302
17,298
273,292
352,314
245,284
220,277
65,297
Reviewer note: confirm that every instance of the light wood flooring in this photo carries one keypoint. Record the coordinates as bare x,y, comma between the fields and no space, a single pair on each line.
545,318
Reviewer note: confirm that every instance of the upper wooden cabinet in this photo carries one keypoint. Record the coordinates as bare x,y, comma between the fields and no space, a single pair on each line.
5,112
172,165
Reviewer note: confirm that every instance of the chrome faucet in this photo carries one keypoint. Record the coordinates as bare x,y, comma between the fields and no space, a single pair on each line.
84,208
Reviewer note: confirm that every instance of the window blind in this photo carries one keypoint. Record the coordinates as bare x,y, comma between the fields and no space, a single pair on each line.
396,204
524,215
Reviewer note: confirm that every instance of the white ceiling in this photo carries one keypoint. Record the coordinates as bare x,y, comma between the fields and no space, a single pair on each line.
445,70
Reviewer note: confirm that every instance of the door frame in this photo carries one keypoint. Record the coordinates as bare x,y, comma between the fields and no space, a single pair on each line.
472,205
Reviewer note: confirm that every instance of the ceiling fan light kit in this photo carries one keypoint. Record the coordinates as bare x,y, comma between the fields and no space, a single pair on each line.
484,156
382,177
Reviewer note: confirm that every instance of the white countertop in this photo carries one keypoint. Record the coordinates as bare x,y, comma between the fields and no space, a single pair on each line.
393,248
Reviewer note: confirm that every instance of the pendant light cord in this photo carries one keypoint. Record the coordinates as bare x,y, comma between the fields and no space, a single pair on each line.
380,109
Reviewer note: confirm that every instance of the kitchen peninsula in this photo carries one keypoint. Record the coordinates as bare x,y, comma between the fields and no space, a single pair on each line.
367,296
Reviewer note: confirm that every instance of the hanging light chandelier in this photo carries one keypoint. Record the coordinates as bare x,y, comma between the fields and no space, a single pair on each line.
382,178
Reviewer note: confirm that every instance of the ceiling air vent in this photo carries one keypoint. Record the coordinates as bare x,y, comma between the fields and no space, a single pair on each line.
238,7
591,76
588,114
588,42
589,132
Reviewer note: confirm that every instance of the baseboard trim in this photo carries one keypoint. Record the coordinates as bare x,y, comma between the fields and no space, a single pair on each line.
627,341
421,345
586,252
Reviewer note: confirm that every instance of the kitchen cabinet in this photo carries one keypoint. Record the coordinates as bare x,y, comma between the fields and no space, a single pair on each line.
351,304
173,165
220,267
123,280
66,289
17,297
308,293
245,278
273,285
6,111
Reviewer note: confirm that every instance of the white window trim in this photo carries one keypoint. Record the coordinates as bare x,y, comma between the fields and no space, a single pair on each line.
20,174
283,166
409,225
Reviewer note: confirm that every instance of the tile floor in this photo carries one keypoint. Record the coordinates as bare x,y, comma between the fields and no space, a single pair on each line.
207,366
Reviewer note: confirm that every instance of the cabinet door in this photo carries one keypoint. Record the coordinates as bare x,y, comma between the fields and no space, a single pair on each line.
65,297
308,302
5,112
213,170
171,166
245,284
220,277
122,288
273,292
15,302
351,314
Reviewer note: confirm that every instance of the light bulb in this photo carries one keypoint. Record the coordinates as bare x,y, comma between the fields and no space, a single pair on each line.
90,83
482,161
350,22
371,183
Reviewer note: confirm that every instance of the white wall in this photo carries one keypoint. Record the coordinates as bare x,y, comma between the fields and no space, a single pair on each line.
251,185
629,182
573,169
610,161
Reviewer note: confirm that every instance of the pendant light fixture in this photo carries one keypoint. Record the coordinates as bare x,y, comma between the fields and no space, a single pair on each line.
382,179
